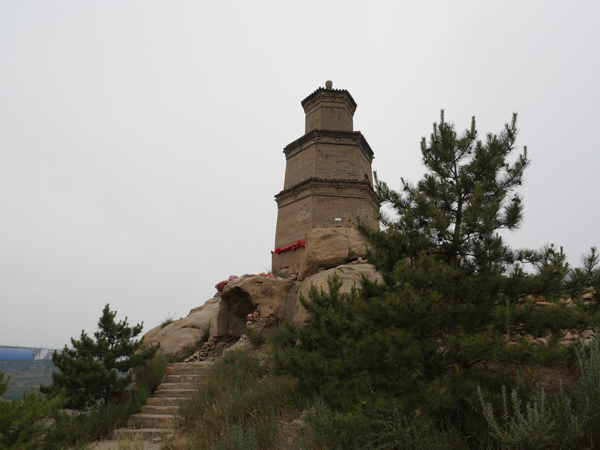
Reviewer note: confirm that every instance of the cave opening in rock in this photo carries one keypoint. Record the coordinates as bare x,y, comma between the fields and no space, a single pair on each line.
239,308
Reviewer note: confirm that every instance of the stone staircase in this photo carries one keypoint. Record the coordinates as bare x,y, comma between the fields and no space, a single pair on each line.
161,412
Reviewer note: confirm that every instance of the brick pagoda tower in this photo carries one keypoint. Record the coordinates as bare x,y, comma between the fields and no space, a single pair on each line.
328,177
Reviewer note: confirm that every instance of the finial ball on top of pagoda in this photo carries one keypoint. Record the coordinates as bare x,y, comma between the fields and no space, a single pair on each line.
329,84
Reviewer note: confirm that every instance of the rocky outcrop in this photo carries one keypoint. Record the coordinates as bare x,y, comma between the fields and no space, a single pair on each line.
275,298
179,335
350,275
330,247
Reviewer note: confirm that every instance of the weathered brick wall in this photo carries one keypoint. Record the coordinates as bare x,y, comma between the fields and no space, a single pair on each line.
301,166
328,155
342,205
337,161
330,116
293,220
329,109
365,168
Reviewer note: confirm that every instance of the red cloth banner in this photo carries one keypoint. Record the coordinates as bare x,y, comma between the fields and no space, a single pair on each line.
291,247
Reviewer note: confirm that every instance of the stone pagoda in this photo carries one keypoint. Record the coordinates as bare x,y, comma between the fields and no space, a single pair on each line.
328,177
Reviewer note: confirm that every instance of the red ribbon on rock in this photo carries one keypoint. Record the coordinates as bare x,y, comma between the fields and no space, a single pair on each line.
291,247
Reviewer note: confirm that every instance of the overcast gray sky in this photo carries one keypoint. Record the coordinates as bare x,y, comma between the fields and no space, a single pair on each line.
141,141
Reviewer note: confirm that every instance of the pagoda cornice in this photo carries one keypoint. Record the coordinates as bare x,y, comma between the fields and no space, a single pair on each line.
337,182
332,135
333,92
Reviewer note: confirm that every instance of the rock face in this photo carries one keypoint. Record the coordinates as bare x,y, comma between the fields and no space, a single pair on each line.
275,299
186,332
350,275
330,247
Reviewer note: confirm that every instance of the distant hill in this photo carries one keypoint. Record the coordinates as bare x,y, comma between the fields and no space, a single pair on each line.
27,375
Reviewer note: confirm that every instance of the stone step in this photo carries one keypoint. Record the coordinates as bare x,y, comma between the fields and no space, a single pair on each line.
153,420
145,434
186,369
192,378
159,415
174,393
196,365
159,409
167,401
173,386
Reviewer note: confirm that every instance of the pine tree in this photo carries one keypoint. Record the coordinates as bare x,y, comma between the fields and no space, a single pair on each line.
94,368
3,383
453,290
21,424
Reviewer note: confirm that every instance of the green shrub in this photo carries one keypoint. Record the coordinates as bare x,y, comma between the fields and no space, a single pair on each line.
76,429
150,375
22,421
284,336
587,396
256,338
538,425
562,421
375,427
167,321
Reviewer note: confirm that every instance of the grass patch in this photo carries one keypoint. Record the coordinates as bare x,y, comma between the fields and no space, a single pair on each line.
130,443
151,374
167,320
239,405
256,338
75,430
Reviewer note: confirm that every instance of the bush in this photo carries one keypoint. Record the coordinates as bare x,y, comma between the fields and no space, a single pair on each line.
236,438
284,336
379,426
256,338
562,421
80,428
22,421
150,375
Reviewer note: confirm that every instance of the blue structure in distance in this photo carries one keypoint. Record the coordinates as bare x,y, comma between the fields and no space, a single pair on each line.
15,354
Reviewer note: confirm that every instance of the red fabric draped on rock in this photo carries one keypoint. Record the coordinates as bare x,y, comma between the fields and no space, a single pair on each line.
291,247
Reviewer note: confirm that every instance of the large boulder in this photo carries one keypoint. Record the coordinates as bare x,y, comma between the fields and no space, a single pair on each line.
186,332
330,247
275,298
350,275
